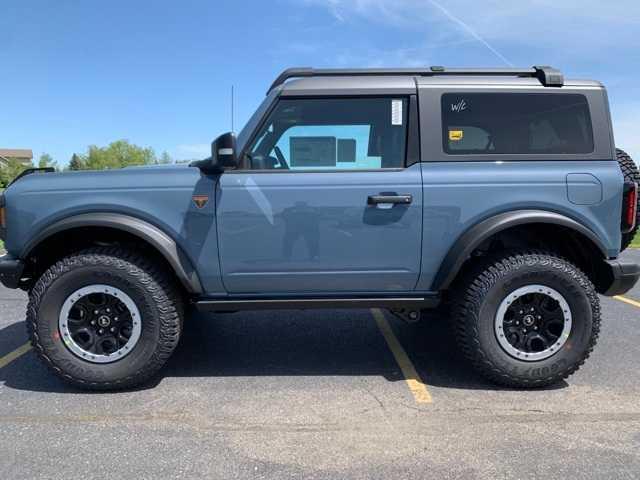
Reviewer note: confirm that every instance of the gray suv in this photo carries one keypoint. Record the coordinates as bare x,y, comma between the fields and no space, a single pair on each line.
497,195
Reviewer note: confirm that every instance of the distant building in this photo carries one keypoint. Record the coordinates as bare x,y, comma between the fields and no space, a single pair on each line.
23,156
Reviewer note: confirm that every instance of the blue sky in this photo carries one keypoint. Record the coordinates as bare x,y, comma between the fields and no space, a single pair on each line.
76,73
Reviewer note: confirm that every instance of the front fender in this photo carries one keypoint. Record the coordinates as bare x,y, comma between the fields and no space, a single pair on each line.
151,234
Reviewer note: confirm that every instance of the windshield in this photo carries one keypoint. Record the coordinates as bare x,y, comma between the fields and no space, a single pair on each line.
252,124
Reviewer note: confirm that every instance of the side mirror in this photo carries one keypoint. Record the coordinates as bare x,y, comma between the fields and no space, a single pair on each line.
223,155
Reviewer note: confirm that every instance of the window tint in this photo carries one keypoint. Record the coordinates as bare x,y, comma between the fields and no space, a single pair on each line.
469,138
515,123
332,134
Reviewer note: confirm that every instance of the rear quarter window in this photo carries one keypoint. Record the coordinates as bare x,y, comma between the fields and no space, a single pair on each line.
516,123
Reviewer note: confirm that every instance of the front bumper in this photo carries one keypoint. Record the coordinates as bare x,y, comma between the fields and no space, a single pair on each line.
10,271
624,275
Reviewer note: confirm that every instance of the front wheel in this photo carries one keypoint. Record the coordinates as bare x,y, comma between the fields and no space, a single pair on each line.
105,318
526,319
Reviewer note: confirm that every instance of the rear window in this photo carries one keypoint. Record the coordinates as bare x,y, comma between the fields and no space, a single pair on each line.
516,123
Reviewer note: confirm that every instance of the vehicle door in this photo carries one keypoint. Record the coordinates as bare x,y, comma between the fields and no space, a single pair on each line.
328,198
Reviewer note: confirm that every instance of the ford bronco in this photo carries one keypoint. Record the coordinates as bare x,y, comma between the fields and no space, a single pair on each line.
496,193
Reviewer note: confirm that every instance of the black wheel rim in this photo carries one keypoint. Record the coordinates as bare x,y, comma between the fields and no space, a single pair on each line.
100,323
533,322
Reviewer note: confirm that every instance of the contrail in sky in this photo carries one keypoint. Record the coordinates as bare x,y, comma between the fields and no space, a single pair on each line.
470,30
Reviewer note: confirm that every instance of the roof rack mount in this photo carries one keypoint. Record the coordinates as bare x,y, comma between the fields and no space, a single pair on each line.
548,76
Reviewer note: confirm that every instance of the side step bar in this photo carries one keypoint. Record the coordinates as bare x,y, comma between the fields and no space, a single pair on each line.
297,303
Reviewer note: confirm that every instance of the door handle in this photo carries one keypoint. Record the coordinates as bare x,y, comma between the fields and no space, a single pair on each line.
389,199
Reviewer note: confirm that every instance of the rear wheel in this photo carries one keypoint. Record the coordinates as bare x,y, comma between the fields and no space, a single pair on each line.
631,174
105,318
526,319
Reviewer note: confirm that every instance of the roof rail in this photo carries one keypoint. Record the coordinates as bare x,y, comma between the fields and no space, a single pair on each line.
548,76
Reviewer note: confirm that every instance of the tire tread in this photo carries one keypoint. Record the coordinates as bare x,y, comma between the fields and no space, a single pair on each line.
631,173
162,287
473,287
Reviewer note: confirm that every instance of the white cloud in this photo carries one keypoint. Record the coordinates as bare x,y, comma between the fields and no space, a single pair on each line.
465,26
580,25
382,11
536,11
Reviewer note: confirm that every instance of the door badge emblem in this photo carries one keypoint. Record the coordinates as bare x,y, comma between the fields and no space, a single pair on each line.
200,201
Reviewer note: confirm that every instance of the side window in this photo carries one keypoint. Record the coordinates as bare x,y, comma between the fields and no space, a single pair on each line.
516,123
331,134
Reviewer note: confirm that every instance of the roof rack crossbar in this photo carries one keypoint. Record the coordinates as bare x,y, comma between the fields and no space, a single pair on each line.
548,76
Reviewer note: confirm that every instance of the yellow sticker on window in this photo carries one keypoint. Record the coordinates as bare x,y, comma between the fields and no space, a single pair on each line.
456,135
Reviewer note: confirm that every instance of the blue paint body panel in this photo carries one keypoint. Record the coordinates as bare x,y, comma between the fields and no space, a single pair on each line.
278,233
291,232
458,195
584,189
161,196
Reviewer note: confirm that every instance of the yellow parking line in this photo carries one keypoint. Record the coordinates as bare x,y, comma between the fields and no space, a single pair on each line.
10,357
414,382
627,300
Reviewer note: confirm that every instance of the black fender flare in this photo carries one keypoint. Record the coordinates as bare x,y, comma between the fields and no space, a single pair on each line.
475,235
167,247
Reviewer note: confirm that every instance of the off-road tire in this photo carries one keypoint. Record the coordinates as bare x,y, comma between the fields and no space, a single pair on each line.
480,290
152,289
631,174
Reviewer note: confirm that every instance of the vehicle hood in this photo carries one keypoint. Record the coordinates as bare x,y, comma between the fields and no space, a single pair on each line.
121,179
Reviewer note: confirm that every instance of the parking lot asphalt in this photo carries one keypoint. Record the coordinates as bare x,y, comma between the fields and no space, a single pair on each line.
324,395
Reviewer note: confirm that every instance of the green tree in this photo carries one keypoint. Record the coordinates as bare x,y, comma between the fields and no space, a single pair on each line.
11,171
165,159
76,162
47,161
117,154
